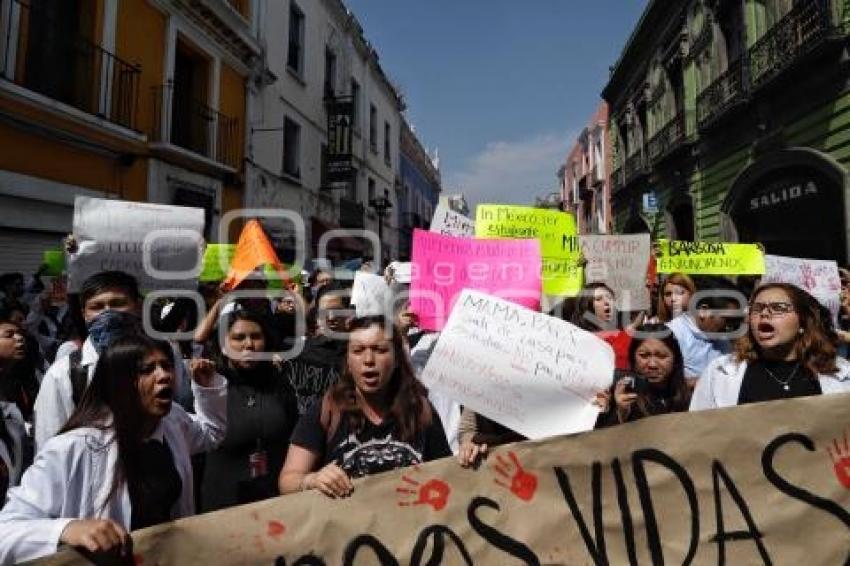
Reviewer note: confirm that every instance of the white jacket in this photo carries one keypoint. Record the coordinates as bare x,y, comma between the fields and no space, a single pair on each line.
720,383
55,400
72,475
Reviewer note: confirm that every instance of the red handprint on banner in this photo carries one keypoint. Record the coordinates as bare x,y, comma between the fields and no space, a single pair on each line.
841,460
434,492
522,483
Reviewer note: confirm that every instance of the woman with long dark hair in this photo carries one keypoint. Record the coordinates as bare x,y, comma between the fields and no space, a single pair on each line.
655,384
121,462
375,418
596,312
788,351
261,410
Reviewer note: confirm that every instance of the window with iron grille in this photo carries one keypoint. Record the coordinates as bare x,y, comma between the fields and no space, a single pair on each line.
295,55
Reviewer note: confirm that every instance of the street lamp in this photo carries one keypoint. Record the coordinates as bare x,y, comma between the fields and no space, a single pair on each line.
381,205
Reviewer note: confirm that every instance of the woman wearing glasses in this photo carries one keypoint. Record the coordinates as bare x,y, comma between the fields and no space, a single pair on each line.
787,352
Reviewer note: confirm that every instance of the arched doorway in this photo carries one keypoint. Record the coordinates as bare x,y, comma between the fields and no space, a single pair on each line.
681,217
792,201
636,225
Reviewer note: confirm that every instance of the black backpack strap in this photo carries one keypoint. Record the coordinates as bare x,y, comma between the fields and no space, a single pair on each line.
78,375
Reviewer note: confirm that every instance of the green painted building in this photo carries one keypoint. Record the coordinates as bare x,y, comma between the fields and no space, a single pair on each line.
730,120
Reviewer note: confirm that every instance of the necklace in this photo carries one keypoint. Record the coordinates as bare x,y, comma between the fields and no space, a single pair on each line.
786,383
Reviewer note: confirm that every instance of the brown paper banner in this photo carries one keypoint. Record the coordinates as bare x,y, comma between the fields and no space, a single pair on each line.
765,484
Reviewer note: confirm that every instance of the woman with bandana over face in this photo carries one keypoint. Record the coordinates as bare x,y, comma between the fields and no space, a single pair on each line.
121,462
787,352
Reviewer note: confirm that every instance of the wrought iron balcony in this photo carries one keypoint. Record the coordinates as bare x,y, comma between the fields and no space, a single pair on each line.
69,69
351,214
668,139
729,90
193,125
635,166
800,31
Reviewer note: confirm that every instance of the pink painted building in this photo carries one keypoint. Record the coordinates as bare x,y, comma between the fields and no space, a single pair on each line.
586,177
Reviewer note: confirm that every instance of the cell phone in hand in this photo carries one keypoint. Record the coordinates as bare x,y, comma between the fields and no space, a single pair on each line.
635,383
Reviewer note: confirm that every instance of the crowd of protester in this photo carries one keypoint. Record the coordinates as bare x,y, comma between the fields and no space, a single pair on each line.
106,429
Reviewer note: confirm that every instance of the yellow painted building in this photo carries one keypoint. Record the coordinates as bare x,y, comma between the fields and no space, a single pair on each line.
137,99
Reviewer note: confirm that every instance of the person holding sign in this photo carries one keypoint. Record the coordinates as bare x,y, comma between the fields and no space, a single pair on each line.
122,462
376,418
786,353
656,383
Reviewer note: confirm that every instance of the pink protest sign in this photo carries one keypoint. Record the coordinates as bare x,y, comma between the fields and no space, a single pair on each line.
445,265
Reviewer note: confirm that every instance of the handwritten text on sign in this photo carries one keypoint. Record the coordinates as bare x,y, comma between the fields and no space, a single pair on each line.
443,266
530,372
817,277
449,223
709,258
620,262
554,229
117,235
773,488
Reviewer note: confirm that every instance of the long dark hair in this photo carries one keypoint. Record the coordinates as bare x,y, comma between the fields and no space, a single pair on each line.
112,402
406,396
675,391
814,347
584,305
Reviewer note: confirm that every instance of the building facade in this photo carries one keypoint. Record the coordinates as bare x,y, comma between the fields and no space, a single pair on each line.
139,99
585,176
419,190
733,116
325,128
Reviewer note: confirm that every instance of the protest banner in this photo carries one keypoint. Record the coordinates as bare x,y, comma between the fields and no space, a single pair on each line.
819,278
767,483
533,373
371,295
709,258
54,261
253,250
450,223
621,262
445,265
217,260
161,245
556,232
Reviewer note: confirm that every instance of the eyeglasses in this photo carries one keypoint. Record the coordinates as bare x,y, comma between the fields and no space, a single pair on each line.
780,308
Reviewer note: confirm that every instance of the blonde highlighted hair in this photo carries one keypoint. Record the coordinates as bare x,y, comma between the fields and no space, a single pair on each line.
664,314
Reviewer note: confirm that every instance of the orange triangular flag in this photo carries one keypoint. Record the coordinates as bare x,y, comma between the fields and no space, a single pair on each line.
252,251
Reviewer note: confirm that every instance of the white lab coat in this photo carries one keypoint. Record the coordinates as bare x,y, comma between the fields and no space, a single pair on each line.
72,476
55,400
720,384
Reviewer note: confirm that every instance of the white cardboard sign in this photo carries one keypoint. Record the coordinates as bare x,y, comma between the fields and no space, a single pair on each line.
370,295
161,245
817,277
449,223
620,262
528,371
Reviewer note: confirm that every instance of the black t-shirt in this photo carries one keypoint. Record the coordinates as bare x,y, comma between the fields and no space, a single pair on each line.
314,370
156,487
759,385
374,449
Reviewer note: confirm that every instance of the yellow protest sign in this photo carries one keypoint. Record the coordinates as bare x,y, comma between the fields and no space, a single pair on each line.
556,231
709,258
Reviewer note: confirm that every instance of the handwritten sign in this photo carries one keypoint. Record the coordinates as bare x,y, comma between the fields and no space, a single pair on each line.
530,372
621,262
123,236
402,271
709,258
371,295
444,265
554,229
773,488
819,278
450,223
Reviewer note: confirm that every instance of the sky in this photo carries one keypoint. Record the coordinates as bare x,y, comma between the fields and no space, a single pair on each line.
501,87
